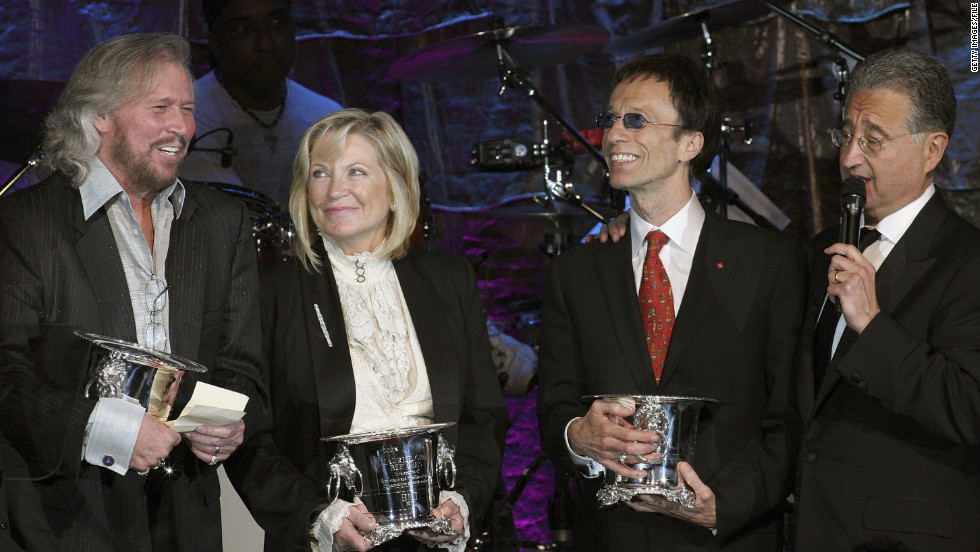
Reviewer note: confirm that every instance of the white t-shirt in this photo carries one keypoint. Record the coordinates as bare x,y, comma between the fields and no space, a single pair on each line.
255,165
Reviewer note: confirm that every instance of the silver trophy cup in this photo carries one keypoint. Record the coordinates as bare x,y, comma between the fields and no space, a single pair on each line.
675,421
397,474
119,369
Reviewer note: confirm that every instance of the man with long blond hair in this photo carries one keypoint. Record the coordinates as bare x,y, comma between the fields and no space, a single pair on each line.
112,243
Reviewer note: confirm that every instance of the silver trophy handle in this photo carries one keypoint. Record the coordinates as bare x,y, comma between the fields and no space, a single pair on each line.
445,464
651,417
110,379
342,468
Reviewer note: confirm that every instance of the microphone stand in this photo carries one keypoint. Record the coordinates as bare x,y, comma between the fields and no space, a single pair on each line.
847,57
31,162
515,77
717,188
716,192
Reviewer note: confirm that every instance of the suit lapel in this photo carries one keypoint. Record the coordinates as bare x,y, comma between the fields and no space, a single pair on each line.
911,258
614,267
333,372
902,269
187,278
96,248
434,337
713,265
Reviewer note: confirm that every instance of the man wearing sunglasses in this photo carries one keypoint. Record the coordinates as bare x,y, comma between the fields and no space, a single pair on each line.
686,304
891,389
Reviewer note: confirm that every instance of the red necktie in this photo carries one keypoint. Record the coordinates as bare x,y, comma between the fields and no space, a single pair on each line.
656,302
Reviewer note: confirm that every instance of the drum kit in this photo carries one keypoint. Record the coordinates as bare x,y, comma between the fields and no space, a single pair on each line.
507,53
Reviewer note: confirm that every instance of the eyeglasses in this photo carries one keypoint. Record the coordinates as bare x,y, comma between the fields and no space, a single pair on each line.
631,121
870,146
280,24
155,296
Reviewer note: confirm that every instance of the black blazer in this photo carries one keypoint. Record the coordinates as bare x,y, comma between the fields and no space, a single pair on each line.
59,273
891,446
281,473
734,339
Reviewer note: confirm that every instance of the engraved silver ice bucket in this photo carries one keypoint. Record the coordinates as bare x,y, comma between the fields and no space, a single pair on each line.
397,474
675,420
119,369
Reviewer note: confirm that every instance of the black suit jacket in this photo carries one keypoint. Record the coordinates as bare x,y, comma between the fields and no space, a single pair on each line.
8,542
891,446
734,340
60,273
281,474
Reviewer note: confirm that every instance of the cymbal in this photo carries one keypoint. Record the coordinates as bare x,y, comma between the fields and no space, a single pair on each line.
23,106
475,56
688,25
558,212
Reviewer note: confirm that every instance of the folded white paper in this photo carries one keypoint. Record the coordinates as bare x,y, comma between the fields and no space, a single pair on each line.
210,405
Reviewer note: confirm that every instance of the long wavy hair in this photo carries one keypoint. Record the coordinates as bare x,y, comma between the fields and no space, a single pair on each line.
400,164
108,76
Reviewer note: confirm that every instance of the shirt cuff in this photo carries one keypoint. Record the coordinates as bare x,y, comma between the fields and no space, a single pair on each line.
588,467
458,545
111,434
328,523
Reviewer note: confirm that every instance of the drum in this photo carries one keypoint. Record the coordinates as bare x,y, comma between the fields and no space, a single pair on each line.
119,369
397,474
272,229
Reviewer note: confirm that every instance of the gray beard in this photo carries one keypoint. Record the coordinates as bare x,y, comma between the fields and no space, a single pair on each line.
143,178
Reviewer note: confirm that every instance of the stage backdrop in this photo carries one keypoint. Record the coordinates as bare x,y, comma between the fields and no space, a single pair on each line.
775,75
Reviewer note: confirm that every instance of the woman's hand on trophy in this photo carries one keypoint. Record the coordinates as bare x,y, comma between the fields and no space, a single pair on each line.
153,444
356,523
447,510
213,444
703,513
604,436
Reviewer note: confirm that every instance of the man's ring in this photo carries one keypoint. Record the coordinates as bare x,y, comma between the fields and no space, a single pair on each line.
217,450
622,458
836,272
214,460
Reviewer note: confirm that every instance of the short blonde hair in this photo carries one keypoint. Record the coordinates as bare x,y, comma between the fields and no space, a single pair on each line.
400,164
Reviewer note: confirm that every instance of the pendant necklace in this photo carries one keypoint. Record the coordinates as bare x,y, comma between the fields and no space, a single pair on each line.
270,135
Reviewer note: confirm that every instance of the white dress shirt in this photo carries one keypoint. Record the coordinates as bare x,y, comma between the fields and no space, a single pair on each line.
892,228
684,230
114,424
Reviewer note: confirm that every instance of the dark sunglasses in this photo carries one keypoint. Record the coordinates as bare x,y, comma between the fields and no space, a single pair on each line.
631,121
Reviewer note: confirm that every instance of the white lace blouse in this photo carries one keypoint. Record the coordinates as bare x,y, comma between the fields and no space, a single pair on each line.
391,384
389,371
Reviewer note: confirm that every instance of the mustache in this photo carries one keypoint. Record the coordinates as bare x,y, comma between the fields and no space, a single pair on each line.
181,139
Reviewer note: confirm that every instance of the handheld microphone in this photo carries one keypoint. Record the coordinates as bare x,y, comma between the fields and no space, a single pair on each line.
852,201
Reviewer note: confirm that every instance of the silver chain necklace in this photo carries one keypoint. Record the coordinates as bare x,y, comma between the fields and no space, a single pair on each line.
270,136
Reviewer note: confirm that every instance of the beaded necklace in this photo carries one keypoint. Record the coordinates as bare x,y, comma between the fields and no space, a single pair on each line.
270,136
